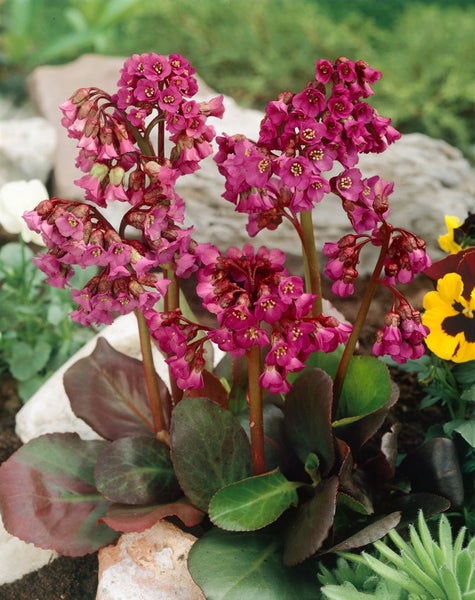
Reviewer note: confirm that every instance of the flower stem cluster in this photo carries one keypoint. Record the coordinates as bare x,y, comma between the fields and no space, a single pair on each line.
260,309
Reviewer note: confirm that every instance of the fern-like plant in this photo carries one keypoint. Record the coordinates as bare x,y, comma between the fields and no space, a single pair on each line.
423,569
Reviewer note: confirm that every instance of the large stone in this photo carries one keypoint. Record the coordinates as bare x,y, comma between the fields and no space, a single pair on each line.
431,177
151,564
27,148
18,558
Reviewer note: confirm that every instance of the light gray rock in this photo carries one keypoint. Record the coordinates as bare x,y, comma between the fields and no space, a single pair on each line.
27,149
18,558
431,177
151,564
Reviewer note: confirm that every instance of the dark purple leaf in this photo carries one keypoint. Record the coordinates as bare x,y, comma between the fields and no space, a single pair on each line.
136,470
107,390
434,467
367,535
311,523
307,412
210,449
411,504
125,518
213,389
48,495
351,488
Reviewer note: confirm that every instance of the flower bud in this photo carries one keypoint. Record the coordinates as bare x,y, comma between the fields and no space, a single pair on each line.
80,95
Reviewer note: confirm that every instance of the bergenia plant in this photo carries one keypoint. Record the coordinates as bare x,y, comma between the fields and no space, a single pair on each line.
268,442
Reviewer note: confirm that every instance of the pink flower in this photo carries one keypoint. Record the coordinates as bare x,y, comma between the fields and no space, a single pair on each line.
169,99
340,105
311,101
402,336
295,171
213,107
323,71
156,67
348,185
346,70
273,380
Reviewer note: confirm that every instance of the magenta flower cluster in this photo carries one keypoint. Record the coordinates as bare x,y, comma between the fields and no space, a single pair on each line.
257,303
253,298
301,138
121,164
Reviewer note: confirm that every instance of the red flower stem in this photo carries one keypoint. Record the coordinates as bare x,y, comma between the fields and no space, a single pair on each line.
151,380
171,302
256,418
312,272
161,139
359,322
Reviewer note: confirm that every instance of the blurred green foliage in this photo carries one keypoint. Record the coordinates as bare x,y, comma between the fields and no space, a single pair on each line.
36,334
252,50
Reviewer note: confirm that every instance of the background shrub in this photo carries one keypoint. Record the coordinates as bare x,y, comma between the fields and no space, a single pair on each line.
252,50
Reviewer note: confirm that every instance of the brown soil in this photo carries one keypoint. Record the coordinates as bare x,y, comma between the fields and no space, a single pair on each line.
76,578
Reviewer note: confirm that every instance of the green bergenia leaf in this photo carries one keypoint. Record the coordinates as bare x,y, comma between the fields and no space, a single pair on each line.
209,447
252,503
237,566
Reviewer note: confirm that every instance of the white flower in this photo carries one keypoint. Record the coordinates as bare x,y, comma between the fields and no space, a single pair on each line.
17,197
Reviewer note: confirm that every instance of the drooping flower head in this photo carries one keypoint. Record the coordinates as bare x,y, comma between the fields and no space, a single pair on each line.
120,163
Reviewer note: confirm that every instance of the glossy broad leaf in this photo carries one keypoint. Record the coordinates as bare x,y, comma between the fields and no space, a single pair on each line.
127,518
372,532
209,447
356,432
49,498
248,566
311,523
367,388
307,411
252,503
107,390
434,467
136,470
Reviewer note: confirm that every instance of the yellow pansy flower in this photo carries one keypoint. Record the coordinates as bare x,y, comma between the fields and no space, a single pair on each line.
450,317
447,241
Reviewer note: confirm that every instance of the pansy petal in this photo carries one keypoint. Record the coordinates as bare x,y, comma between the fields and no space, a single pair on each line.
465,353
442,344
450,287
433,300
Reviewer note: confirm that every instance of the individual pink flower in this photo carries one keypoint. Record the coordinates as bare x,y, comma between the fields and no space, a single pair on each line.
311,101
323,71
295,171
348,185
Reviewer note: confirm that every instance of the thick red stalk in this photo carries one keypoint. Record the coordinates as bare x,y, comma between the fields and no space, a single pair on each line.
256,418
151,380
